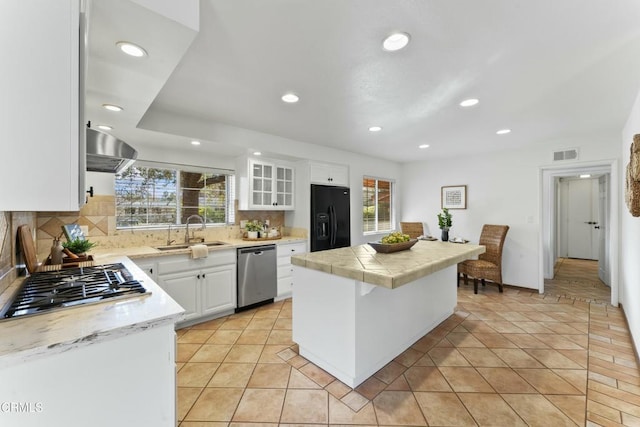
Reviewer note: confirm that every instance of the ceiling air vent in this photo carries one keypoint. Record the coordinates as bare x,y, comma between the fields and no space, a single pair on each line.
569,154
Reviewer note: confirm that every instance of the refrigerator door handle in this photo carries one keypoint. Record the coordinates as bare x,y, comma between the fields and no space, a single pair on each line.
333,224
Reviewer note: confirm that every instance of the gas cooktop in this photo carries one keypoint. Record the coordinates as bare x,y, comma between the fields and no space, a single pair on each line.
46,291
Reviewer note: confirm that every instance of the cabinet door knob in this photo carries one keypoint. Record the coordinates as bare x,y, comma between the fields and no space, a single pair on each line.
198,276
151,270
204,275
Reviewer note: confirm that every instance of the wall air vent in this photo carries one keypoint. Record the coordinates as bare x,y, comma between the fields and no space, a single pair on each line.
568,154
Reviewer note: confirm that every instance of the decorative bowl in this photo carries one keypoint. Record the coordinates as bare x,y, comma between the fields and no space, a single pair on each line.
386,248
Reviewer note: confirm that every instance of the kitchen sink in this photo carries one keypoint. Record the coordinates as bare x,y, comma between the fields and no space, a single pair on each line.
186,245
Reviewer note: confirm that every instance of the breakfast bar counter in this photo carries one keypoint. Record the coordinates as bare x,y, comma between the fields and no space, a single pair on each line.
355,310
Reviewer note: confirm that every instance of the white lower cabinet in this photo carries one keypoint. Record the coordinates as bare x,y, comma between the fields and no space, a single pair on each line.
204,287
183,288
127,380
148,266
285,269
218,290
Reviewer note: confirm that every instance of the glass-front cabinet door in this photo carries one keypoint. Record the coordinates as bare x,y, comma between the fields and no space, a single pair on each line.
284,187
271,186
262,184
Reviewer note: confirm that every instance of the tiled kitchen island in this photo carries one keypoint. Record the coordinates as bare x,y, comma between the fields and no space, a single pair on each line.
378,304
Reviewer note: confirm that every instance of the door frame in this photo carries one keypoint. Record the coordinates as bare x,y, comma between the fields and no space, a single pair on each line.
548,209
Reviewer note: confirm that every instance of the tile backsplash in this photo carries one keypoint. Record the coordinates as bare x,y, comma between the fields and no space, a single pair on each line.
9,222
98,217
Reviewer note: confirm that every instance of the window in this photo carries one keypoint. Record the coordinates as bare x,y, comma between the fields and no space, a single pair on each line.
148,196
377,205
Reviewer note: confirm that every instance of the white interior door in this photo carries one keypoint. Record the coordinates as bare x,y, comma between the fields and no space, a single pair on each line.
603,235
582,212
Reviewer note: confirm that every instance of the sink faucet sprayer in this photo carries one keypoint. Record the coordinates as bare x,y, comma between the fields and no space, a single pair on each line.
186,233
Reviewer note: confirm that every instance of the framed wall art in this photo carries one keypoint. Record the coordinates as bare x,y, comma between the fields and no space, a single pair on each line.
454,197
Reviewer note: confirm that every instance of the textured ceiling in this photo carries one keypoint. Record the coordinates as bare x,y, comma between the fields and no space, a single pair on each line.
552,71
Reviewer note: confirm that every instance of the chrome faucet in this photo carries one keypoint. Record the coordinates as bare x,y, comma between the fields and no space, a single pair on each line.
187,239
169,241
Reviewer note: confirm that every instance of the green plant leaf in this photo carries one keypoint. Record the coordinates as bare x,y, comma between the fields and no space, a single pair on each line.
78,246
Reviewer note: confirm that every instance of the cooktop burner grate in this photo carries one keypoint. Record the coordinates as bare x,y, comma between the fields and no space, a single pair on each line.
45,291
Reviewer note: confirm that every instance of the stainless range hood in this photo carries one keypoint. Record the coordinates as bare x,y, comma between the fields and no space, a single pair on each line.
106,153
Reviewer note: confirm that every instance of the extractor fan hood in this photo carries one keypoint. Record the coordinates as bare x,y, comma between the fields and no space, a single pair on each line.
106,153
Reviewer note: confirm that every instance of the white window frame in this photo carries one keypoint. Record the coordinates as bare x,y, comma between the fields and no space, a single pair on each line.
392,205
230,192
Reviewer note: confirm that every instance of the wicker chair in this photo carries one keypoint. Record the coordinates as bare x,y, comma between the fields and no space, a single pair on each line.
413,229
488,266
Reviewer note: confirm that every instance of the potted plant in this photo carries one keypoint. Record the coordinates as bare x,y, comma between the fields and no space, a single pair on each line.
444,223
253,227
78,246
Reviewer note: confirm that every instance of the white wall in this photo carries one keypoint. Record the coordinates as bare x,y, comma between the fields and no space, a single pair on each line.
502,188
273,146
359,166
630,231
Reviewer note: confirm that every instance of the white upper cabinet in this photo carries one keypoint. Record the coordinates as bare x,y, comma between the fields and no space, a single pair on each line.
265,185
329,174
41,123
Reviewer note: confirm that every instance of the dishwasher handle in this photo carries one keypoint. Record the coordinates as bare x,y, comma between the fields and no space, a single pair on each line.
260,250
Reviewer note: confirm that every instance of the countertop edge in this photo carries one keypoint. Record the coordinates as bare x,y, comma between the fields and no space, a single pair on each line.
144,251
33,337
358,269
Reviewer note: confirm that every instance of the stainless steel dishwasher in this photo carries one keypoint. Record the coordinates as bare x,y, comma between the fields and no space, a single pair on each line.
257,275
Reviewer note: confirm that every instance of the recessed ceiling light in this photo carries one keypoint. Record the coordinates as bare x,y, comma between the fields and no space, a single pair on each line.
503,131
585,176
290,98
469,102
257,153
375,129
395,41
132,49
104,127
423,146
112,107
194,142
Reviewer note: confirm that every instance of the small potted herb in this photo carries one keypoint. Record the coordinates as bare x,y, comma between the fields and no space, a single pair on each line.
253,227
444,223
78,246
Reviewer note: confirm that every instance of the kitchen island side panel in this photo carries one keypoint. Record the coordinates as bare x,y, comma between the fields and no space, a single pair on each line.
323,320
389,321
352,329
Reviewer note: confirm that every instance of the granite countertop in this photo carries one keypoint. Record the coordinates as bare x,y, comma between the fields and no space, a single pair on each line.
390,270
31,337
57,331
139,252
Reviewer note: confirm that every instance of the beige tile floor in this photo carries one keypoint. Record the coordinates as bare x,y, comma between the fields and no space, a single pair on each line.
511,359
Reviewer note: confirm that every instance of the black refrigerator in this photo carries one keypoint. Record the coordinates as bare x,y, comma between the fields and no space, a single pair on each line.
330,218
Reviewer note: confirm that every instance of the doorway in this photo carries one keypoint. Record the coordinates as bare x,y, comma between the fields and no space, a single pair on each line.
606,241
578,218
